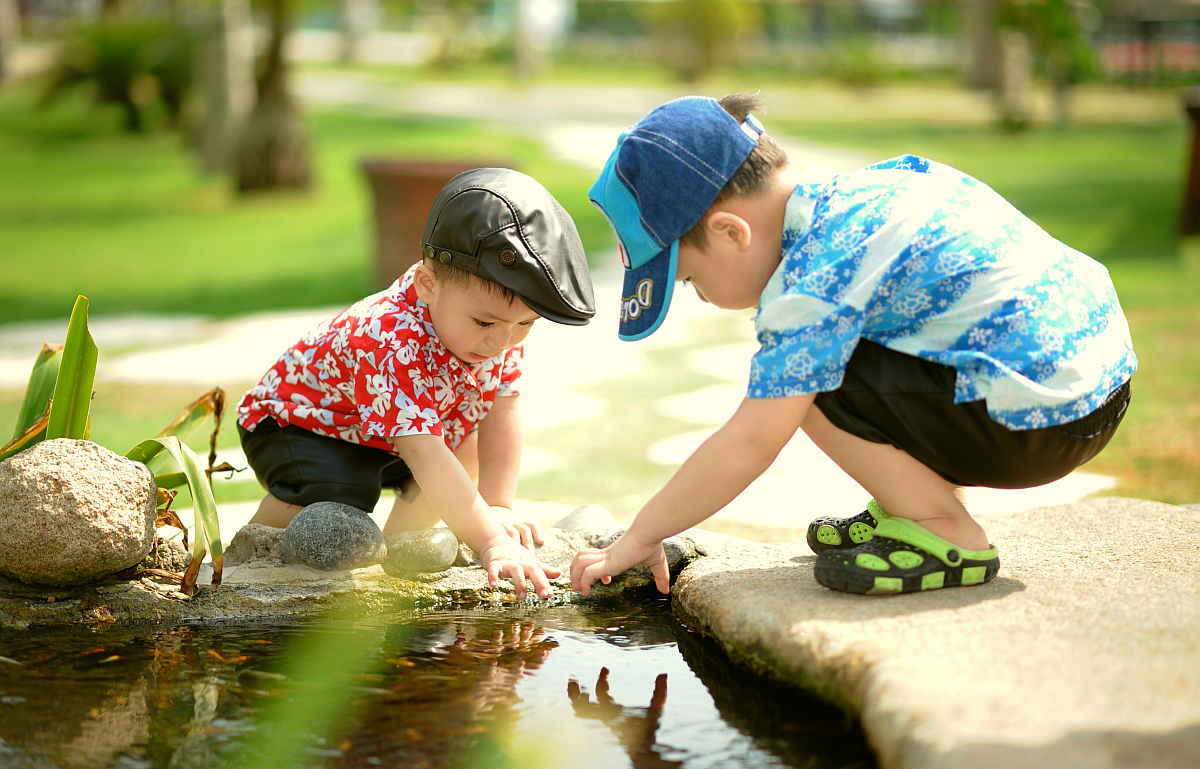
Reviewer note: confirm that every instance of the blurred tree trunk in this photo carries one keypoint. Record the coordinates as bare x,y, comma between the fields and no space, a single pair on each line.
112,7
10,33
979,37
1015,95
273,148
225,66
818,19
529,56
356,17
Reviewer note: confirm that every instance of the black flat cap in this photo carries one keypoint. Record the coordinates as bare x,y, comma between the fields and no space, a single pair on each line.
505,227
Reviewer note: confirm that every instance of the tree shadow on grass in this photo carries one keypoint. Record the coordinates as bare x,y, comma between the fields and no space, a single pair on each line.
220,296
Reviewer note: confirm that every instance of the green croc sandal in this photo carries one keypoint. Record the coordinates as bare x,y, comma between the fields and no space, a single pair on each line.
827,533
904,557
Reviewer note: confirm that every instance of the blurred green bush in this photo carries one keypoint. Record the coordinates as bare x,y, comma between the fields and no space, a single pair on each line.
697,36
140,64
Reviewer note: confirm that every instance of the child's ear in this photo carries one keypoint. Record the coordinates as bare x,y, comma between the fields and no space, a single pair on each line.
730,226
425,281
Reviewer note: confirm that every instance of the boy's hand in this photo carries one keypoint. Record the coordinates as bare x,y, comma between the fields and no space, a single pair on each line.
525,532
603,564
503,557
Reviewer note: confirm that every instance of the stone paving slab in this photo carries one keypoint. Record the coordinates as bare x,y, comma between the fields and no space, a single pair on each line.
1083,652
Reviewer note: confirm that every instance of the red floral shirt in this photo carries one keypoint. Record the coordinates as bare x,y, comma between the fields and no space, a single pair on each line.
377,371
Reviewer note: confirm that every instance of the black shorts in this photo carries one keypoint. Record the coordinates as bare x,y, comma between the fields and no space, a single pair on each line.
300,467
907,402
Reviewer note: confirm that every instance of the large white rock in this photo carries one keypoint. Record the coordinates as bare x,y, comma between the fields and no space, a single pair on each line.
73,512
1082,653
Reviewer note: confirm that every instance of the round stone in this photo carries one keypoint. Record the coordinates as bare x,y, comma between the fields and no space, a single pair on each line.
420,552
587,518
73,512
331,535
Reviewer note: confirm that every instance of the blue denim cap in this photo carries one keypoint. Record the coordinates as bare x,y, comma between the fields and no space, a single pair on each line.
657,184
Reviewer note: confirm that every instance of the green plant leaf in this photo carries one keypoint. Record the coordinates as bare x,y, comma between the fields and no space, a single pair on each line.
205,528
35,433
72,403
40,387
210,405
170,480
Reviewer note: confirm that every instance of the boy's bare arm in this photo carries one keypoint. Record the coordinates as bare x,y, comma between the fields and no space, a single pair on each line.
720,469
450,490
500,452
499,465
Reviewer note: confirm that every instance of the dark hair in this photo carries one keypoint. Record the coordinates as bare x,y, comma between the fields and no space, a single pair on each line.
453,274
756,171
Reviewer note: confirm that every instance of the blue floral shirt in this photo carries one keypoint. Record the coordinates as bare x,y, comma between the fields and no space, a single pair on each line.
923,259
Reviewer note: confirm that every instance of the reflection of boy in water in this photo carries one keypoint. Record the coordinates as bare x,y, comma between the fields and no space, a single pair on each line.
452,684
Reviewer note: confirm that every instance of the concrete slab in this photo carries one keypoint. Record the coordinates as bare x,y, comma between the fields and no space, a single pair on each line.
1083,652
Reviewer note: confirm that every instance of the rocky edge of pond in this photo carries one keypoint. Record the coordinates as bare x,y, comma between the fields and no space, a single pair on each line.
1083,652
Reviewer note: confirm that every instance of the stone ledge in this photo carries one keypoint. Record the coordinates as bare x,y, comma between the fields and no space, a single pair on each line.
1082,652
265,591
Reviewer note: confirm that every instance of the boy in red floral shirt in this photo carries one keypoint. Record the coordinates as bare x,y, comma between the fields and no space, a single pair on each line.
414,388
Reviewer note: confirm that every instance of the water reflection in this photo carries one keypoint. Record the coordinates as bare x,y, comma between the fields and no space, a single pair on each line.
547,687
636,728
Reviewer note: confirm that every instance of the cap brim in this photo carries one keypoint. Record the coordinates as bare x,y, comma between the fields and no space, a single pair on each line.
646,295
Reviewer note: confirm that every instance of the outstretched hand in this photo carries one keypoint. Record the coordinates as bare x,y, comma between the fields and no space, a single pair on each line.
506,558
525,532
603,564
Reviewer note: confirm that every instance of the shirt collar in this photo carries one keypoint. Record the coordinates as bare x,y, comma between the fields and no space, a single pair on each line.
434,350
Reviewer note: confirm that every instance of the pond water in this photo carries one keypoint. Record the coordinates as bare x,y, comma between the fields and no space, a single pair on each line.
573,686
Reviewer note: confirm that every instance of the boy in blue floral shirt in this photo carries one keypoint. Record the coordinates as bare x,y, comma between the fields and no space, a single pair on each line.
922,331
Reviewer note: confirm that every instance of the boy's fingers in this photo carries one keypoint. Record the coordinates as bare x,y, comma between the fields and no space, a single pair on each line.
550,571
594,572
516,575
578,564
662,574
541,585
537,534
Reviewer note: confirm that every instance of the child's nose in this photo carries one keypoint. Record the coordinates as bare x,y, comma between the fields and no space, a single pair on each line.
499,338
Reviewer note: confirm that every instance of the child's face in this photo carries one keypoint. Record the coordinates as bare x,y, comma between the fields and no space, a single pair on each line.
473,321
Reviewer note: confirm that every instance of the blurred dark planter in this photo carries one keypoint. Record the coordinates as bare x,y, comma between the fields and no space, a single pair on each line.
404,191
1189,220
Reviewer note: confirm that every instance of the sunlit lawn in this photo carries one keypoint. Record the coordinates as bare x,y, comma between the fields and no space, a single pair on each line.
129,221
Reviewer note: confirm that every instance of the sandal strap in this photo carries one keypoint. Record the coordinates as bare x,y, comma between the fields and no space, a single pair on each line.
915,535
876,510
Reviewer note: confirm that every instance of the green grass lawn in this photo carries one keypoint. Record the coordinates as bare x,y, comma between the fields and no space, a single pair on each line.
128,221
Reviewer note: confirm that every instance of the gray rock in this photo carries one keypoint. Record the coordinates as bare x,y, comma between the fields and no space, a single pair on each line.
466,556
590,518
254,543
420,552
167,554
330,536
73,512
1081,653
